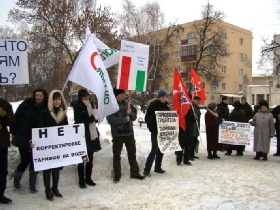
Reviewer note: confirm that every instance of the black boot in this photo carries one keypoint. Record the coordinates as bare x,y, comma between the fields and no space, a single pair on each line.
257,156
5,200
88,175
55,176
215,155
32,181
210,156
47,183
158,161
81,173
17,178
264,156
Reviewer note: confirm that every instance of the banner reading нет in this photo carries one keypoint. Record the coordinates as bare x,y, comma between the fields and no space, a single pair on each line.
58,146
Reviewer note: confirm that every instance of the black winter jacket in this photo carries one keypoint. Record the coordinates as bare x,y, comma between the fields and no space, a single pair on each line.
223,110
150,117
27,116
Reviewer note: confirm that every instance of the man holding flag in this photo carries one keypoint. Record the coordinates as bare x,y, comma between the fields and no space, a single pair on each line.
181,103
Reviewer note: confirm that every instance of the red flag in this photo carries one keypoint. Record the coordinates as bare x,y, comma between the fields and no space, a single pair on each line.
181,100
197,86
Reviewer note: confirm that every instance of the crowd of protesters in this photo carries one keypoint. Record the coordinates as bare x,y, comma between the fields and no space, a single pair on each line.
43,110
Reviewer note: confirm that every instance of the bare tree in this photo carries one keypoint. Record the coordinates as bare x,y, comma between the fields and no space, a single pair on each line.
210,47
57,33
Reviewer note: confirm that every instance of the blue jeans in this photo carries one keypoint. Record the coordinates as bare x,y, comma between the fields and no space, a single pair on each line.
154,154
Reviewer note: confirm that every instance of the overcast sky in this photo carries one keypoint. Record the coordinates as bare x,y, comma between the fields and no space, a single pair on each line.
262,17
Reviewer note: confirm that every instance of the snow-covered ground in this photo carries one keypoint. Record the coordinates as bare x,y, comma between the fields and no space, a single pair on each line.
233,182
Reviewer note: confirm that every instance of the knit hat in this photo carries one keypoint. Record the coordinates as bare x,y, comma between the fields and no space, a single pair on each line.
236,104
118,91
212,106
224,98
161,93
82,93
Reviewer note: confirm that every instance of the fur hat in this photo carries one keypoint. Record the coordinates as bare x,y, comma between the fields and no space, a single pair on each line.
264,103
161,93
118,91
212,106
82,93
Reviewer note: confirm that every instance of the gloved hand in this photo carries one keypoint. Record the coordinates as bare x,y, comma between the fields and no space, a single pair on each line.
220,121
91,119
2,112
195,117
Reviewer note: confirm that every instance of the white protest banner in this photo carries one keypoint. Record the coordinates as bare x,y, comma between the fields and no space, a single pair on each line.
13,62
234,133
168,131
89,71
58,146
133,66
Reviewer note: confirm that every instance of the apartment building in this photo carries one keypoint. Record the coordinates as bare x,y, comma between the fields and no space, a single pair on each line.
236,65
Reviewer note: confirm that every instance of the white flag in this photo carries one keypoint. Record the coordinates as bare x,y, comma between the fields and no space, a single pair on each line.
89,71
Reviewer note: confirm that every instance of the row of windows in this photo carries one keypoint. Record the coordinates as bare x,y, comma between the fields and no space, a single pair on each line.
191,36
224,71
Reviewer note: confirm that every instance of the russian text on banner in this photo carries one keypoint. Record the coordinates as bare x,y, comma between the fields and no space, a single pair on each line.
234,133
13,62
168,131
58,146
89,71
181,100
133,66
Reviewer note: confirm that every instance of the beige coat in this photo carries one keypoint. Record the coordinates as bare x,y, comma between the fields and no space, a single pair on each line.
264,130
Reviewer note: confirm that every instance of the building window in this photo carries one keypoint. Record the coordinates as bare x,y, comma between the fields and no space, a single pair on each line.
240,72
157,42
178,39
260,97
241,41
179,68
166,86
201,34
189,50
253,99
224,69
178,54
224,53
241,57
224,36
167,55
267,98
240,88
223,86
166,71
190,35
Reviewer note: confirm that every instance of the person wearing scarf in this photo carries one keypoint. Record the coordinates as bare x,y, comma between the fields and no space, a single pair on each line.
85,112
212,122
54,115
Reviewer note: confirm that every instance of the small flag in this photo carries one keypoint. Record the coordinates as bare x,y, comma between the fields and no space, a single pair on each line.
197,86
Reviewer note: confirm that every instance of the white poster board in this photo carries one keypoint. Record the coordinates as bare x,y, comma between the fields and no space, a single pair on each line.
168,131
13,62
234,133
58,146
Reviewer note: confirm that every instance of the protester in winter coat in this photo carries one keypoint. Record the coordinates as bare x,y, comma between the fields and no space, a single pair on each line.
246,108
86,112
223,110
212,122
276,115
54,115
237,115
196,123
185,137
27,116
6,119
122,133
264,130
159,104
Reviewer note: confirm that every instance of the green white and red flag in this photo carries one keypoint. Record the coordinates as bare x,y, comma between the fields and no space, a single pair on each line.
133,66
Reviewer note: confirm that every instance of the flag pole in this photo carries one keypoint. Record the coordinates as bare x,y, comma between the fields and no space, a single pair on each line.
64,85
129,99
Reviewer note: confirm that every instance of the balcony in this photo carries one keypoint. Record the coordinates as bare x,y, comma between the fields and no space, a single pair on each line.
188,58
